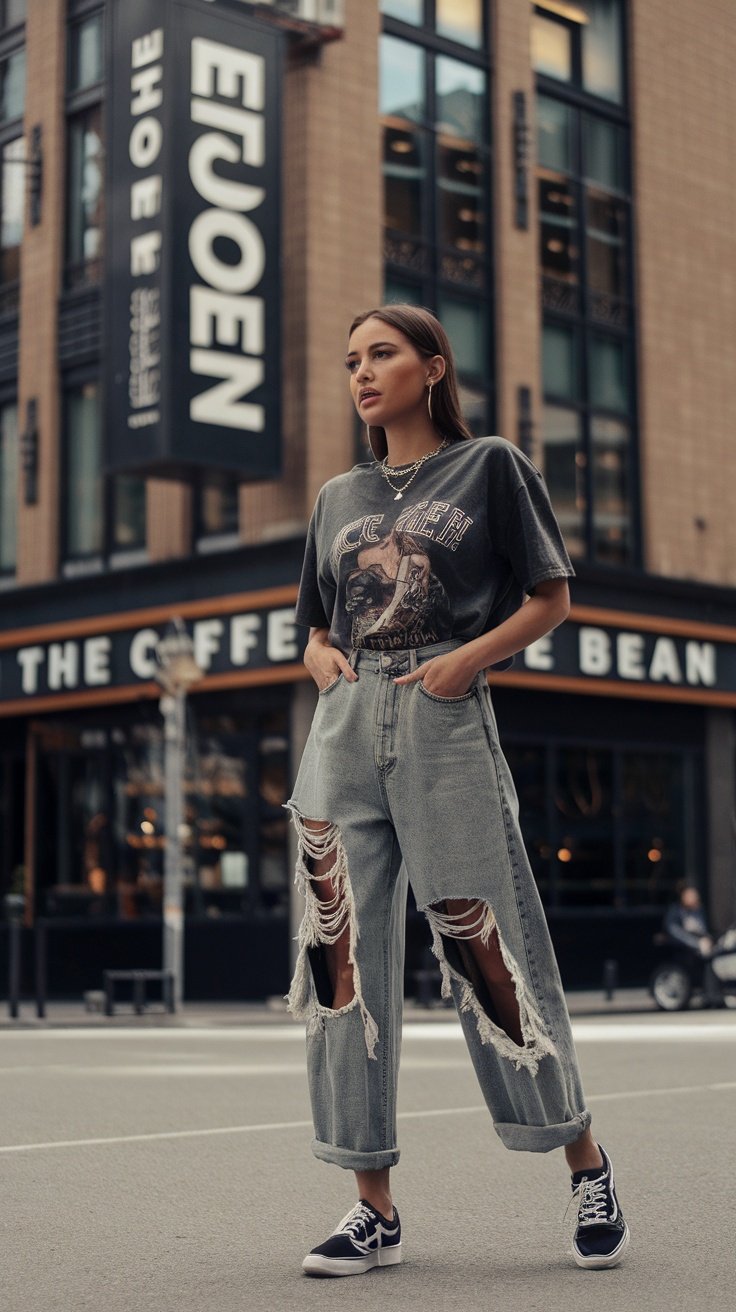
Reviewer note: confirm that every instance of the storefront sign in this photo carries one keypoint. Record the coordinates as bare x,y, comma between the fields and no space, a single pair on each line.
578,656
257,638
193,290
592,652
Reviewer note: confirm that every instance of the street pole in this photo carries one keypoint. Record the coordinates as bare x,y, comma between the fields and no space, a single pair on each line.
173,710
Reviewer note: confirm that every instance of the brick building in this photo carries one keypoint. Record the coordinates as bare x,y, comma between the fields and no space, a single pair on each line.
551,178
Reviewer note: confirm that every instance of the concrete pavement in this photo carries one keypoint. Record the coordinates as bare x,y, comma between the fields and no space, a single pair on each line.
149,1166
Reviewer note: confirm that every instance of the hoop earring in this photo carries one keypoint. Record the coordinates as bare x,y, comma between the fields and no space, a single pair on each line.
429,400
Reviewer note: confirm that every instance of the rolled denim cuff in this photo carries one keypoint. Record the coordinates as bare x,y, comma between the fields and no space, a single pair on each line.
354,1161
541,1138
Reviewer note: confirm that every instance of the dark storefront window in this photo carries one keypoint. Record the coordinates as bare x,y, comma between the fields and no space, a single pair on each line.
589,421
8,488
216,497
436,147
103,518
606,826
101,817
85,152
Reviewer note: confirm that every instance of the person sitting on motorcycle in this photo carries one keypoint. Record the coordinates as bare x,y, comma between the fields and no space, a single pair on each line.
685,922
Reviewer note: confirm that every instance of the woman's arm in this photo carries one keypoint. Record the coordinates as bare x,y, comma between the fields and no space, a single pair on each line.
452,674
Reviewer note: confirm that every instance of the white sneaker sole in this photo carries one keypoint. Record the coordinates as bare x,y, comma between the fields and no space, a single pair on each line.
597,1262
316,1265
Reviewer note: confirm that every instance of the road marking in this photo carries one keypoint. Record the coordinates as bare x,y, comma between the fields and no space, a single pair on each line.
183,1070
6,1149
700,1028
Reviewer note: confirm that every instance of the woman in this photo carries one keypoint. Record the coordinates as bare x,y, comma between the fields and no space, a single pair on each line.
416,567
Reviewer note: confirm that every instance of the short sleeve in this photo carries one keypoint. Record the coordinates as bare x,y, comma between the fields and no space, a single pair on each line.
316,591
534,545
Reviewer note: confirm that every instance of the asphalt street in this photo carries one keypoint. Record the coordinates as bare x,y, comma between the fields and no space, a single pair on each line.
170,1169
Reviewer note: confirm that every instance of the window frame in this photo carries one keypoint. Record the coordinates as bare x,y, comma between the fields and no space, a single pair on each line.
429,283
82,274
110,556
9,397
580,319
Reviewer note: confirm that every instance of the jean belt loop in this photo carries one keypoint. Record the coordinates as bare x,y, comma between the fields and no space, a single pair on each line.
353,658
412,659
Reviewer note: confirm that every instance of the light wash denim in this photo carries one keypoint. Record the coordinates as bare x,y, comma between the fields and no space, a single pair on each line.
416,786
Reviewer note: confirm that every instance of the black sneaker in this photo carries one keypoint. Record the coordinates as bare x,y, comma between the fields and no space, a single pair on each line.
601,1234
362,1240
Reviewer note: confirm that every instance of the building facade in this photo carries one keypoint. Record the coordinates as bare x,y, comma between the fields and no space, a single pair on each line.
550,179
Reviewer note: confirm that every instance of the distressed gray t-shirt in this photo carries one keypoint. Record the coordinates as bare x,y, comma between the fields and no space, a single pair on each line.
452,558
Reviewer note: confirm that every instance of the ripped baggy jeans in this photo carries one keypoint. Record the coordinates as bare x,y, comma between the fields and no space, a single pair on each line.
408,785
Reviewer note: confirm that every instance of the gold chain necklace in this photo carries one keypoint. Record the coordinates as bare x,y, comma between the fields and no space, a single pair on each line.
413,469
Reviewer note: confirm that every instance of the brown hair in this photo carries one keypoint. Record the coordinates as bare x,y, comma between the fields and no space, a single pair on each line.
428,337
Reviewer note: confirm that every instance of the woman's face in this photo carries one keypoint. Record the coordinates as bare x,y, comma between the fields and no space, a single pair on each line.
388,376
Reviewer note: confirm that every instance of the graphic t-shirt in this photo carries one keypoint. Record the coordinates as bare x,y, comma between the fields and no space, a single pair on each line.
452,558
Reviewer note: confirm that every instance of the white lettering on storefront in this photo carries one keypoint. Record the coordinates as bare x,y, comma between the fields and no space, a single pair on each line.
222,313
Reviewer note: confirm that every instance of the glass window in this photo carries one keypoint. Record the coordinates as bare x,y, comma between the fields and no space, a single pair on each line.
85,191
559,360
602,49
462,220
564,472
399,292
460,20
460,99
608,374
527,765
585,849
464,323
607,244
558,229
404,170
610,442
408,11
554,134
12,86
11,209
8,487
604,158
653,809
128,512
12,12
551,48
85,53
218,503
84,518
402,93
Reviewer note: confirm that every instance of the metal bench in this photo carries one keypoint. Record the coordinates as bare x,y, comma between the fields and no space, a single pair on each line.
139,980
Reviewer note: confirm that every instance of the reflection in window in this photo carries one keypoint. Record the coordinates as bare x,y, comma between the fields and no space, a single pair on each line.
461,206
407,11
602,49
554,134
85,196
85,53
402,79
8,487
460,98
610,454
608,381
551,48
128,513
12,12
464,324
608,270
460,20
84,518
558,228
604,153
559,361
564,471
12,85
403,172
11,210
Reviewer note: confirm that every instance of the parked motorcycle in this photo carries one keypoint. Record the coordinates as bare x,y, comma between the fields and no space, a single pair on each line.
680,972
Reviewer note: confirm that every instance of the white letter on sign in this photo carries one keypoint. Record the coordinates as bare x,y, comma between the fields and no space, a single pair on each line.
595,651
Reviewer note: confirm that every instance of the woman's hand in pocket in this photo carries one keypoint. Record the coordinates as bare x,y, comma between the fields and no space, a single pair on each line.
450,675
325,662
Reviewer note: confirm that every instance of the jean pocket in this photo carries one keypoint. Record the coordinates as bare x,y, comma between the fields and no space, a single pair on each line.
324,691
446,701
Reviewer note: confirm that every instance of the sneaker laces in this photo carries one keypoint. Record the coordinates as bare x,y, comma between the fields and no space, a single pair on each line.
360,1215
592,1199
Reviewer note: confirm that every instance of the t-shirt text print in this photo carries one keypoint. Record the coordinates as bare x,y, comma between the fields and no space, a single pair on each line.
478,534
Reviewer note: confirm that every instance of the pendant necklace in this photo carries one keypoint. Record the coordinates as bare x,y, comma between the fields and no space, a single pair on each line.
412,470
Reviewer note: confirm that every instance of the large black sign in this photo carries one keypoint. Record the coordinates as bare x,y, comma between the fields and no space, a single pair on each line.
192,293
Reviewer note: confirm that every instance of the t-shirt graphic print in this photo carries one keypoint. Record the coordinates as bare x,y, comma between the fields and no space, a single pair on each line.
478,533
